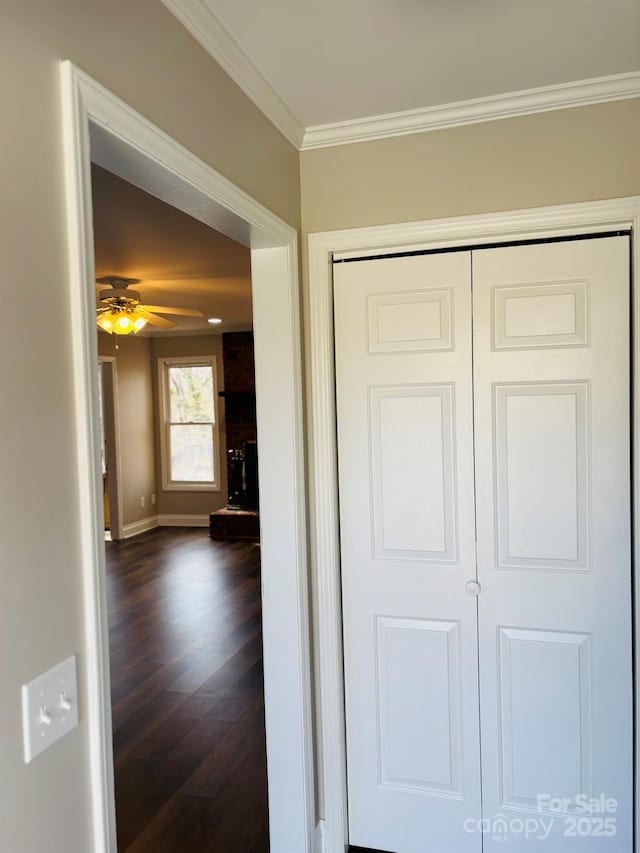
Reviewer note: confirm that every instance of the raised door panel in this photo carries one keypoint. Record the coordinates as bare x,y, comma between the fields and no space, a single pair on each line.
412,446
419,705
414,321
545,713
540,315
542,475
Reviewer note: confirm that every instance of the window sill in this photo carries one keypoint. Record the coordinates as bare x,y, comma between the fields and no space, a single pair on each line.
191,487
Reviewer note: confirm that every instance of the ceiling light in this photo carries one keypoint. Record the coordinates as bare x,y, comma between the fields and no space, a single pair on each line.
120,321
214,321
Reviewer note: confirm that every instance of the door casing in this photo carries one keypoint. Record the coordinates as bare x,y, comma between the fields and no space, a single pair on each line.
99,127
535,223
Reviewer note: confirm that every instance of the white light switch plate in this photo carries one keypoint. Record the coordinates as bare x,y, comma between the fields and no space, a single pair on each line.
49,708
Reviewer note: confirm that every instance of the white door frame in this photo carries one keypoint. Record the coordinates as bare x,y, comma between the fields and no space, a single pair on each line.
100,127
544,222
116,522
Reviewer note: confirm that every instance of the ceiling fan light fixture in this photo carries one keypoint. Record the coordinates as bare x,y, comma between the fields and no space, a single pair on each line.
120,311
120,322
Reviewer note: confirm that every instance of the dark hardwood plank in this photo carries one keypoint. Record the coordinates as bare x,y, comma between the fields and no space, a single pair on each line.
213,775
187,693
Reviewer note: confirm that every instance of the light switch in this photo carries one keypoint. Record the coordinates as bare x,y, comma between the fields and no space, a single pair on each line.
49,708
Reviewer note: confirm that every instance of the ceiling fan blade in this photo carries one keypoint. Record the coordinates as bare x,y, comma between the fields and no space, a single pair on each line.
163,309
154,320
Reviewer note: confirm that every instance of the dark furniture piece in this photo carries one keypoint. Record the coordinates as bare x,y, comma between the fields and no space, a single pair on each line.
235,524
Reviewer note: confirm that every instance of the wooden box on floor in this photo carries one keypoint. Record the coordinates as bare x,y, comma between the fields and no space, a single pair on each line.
235,524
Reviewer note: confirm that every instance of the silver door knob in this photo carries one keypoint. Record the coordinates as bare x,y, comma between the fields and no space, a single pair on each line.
472,588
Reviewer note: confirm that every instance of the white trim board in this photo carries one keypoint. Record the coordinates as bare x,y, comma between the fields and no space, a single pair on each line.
135,528
200,20
508,105
99,126
183,520
520,224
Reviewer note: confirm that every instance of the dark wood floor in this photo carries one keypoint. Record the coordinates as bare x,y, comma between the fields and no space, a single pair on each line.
187,694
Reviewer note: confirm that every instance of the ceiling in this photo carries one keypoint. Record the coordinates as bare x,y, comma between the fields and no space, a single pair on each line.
332,61
181,262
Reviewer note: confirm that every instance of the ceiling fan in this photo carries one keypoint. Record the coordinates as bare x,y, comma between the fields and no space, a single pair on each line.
120,311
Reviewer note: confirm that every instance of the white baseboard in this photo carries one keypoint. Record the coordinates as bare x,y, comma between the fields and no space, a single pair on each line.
136,527
153,521
183,520
320,837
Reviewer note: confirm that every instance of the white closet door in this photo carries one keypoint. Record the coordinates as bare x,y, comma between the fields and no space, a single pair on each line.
551,373
404,403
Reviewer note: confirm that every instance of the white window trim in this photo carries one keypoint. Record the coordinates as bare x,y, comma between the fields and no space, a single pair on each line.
169,485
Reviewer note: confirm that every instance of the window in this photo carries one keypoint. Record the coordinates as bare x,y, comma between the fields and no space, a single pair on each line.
189,430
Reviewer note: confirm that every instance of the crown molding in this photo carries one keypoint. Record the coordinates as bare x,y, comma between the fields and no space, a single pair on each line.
202,23
509,105
200,20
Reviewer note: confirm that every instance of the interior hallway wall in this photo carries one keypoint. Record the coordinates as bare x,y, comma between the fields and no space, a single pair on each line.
140,52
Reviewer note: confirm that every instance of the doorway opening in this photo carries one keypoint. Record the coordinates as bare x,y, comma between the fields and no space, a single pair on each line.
100,128
187,697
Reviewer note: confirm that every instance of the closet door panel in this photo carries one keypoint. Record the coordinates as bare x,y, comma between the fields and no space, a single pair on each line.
405,444
552,414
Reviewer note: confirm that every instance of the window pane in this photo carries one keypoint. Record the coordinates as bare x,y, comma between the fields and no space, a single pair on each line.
191,394
191,453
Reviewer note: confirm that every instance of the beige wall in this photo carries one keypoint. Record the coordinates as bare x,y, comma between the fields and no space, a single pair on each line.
140,52
189,503
136,422
571,155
